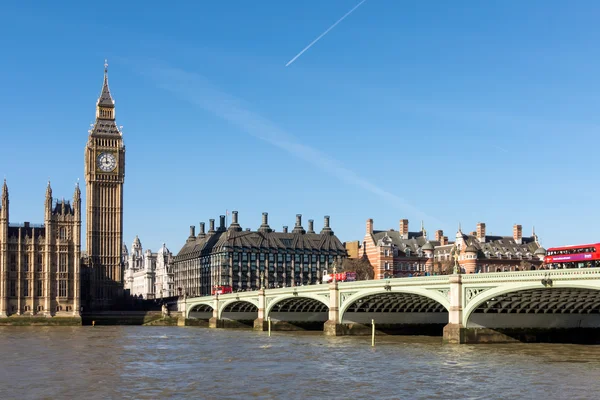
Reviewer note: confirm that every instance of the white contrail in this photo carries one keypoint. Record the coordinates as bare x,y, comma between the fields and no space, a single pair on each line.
324,33
198,91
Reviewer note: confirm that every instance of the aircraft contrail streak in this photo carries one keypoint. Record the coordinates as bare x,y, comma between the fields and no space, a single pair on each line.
324,33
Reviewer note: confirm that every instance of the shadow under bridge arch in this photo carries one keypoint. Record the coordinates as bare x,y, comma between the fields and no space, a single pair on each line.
238,314
395,312
542,308
201,311
298,312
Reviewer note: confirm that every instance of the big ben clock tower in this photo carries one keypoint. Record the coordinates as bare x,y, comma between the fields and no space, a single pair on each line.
104,177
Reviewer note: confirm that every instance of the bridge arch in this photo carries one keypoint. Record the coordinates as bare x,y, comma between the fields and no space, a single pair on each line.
235,305
298,303
418,305
199,307
427,294
532,298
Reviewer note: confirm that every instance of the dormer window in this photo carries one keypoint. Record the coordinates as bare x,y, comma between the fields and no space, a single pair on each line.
407,252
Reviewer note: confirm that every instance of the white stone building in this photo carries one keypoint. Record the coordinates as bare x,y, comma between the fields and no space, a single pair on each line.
164,283
148,275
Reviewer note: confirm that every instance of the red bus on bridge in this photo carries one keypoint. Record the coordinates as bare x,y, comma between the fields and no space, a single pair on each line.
576,256
221,290
340,277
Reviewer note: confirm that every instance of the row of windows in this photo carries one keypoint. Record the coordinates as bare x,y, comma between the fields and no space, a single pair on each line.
26,286
41,308
280,257
63,263
407,252
572,251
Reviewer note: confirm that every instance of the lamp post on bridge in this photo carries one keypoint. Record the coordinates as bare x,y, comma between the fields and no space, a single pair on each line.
262,280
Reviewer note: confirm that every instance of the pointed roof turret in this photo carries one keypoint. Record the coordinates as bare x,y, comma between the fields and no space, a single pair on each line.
77,193
48,190
105,99
105,111
4,204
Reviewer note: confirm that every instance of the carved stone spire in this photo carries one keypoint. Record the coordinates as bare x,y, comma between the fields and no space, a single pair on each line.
4,204
105,110
105,99
48,190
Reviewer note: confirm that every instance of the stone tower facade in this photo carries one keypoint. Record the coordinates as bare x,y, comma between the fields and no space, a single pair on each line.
104,177
40,264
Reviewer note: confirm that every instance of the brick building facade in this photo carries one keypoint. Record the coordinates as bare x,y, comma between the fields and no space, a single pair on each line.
398,253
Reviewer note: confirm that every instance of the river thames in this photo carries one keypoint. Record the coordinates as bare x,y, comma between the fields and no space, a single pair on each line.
197,363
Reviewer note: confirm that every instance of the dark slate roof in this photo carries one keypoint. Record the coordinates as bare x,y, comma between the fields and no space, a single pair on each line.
471,249
231,240
59,211
428,246
494,245
105,99
414,242
26,231
105,127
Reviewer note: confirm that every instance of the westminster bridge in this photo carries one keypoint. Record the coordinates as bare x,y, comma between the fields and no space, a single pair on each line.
562,305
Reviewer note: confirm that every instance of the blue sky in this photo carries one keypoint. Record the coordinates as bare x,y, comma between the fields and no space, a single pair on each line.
444,112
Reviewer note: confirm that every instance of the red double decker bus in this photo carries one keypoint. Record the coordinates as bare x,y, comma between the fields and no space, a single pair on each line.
577,256
221,289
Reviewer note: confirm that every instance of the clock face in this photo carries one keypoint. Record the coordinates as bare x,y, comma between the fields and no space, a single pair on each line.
106,162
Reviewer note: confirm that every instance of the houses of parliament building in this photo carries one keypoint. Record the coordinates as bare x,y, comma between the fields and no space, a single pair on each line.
43,271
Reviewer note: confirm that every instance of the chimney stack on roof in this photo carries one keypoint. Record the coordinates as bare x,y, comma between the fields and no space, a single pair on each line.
481,232
285,229
202,234
298,228
518,234
326,229
192,231
370,226
235,226
439,234
264,227
221,222
404,228
211,226
311,226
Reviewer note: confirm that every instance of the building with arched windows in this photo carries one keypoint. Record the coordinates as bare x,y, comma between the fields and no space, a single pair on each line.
40,264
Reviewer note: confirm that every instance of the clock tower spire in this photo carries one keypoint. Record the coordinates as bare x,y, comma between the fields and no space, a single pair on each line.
104,177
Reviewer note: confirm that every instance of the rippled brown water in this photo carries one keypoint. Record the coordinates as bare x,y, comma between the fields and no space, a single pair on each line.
174,362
